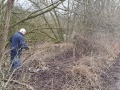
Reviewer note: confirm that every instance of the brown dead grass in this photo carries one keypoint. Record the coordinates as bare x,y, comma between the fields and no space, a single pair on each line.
79,65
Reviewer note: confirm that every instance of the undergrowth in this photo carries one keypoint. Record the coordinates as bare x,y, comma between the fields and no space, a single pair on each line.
82,64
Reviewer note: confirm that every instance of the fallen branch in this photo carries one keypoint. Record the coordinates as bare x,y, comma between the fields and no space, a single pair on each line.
24,84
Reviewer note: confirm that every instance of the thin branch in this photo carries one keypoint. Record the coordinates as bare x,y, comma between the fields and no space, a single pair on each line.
24,84
45,10
42,32
3,6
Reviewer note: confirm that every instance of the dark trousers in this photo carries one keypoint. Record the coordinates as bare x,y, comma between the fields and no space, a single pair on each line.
14,59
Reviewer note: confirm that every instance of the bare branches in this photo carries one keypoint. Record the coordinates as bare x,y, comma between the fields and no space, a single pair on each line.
36,13
23,84
6,26
2,5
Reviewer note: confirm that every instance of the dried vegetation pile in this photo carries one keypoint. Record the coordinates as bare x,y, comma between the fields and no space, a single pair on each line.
83,64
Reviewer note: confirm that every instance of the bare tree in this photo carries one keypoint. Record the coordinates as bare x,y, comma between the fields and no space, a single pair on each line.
58,32
6,26
6,21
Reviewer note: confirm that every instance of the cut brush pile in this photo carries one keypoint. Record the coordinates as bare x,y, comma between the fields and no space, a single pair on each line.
80,65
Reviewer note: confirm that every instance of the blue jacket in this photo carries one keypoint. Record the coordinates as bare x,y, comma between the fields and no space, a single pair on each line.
17,42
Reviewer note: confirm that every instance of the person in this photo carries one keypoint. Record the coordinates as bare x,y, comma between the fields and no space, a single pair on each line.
17,44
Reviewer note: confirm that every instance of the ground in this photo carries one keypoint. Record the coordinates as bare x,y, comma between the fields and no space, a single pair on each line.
57,67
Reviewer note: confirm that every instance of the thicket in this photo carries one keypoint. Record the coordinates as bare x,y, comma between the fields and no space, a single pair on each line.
87,37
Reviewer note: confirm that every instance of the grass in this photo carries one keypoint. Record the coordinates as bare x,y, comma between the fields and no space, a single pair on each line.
80,65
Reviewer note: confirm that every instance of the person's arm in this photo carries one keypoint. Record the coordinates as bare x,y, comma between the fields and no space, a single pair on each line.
25,46
22,44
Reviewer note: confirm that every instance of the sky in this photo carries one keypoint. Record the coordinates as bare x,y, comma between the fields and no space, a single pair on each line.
23,3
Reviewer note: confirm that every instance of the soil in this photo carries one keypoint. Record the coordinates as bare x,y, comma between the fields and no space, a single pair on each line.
115,73
56,74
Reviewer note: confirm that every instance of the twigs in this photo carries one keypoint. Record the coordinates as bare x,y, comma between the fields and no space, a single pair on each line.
20,83
9,79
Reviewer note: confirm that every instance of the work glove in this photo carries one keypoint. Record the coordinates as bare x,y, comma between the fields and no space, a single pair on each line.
24,46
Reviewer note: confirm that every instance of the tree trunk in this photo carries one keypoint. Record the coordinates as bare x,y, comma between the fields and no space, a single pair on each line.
6,27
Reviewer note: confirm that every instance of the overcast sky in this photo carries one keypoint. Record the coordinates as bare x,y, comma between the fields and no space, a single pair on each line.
26,4
20,1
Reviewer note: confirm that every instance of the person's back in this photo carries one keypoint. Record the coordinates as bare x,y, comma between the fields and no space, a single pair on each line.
17,44
16,40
